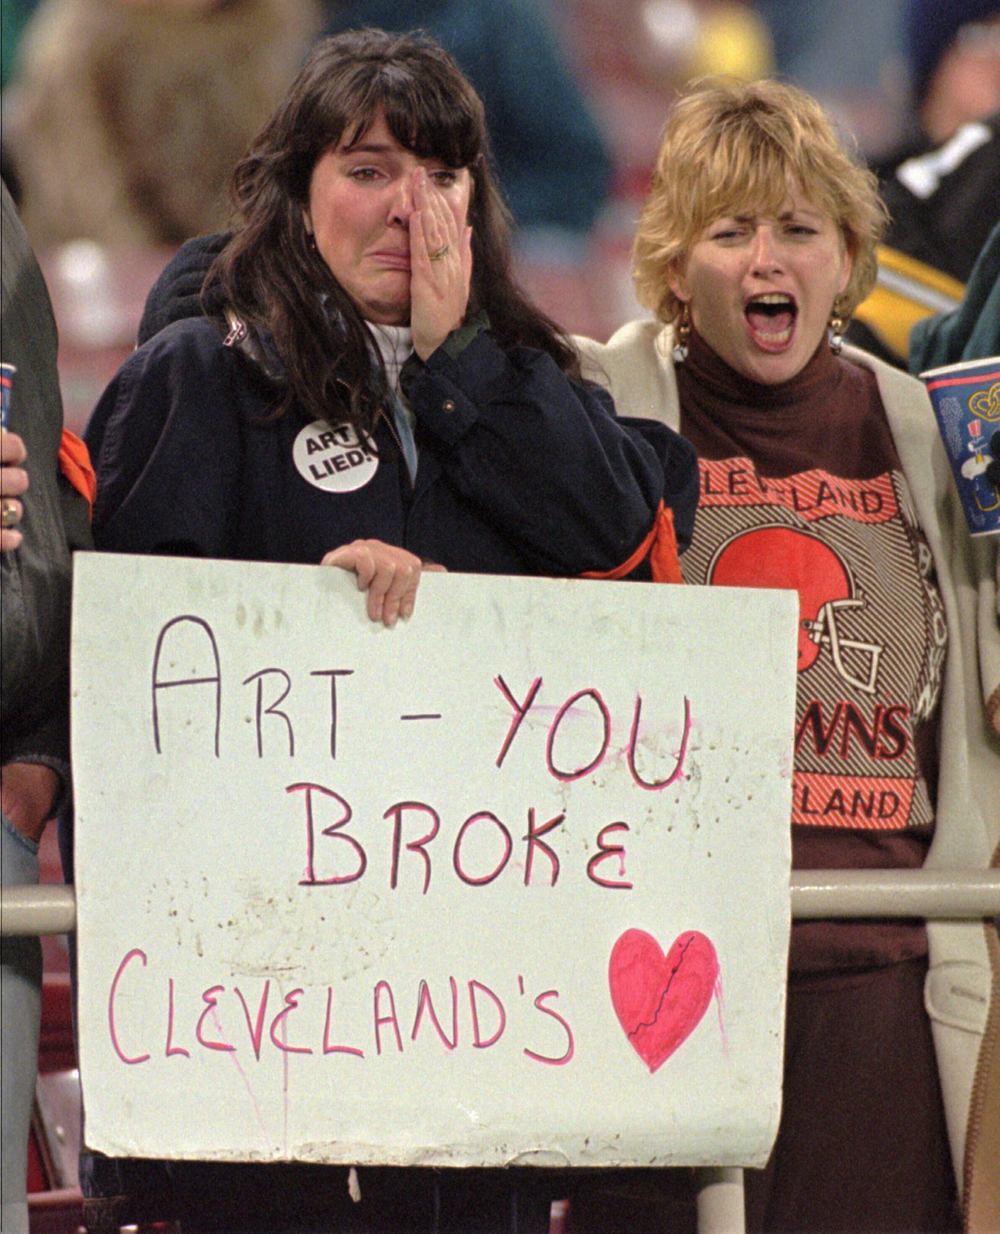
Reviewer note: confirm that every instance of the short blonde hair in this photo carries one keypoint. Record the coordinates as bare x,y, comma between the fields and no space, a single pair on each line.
729,146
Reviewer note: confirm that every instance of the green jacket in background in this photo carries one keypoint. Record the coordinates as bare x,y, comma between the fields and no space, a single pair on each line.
35,577
13,16
971,331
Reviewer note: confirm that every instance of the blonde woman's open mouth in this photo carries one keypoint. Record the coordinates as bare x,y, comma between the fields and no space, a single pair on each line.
771,319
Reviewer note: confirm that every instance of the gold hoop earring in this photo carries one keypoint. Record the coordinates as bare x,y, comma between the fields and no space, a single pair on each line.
682,334
836,331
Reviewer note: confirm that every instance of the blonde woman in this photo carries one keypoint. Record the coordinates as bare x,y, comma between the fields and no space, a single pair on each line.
821,470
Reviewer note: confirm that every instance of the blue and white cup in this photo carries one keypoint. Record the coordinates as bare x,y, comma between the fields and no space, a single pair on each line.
7,372
966,401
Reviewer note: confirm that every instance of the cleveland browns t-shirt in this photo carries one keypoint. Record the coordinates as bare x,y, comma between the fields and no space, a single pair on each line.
801,487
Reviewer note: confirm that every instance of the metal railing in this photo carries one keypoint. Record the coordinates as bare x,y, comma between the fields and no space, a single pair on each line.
936,894
948,894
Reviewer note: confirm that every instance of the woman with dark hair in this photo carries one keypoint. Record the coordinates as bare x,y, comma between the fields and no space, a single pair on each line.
356,88
380,393
368,389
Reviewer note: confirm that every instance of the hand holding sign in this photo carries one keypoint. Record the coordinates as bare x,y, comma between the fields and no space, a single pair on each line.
389,574
386,890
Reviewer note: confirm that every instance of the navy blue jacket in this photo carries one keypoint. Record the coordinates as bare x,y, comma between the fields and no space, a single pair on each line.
521,471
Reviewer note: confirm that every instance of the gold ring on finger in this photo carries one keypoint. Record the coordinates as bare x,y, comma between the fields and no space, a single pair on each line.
443,251
9,514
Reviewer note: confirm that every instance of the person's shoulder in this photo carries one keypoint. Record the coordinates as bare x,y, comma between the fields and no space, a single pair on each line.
185,363
196,332
177,292
645,339
644,332
899,391
867,361
636,365
172,394
193,341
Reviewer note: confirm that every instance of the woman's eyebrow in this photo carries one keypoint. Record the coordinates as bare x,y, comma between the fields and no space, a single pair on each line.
368,147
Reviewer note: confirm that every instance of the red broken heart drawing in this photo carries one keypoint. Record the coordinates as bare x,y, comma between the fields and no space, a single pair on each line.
660,999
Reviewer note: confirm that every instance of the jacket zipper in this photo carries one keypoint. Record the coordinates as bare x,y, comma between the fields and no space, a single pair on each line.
387,417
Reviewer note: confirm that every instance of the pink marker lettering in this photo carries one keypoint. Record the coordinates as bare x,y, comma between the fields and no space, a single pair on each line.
171,1048
291,1002
565,1057
415,846
678,771
598,758
607,851
211,1002
311,880
424,1001
520,711
482,816
477,1039
335,1049
383,986
257,1028
126,1058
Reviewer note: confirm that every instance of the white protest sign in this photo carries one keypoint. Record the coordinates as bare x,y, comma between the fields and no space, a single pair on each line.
507,883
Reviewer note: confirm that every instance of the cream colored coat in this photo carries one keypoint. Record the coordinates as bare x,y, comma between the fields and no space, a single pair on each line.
963,985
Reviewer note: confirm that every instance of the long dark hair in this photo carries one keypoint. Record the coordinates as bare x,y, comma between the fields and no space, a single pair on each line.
275,281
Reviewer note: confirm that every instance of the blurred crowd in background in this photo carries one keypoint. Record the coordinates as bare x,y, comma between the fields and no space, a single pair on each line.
122,120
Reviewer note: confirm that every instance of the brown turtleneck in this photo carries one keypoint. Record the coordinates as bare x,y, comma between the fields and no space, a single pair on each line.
806,472
830,416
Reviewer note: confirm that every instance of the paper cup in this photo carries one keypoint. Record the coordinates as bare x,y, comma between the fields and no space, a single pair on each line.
7,372
966,401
